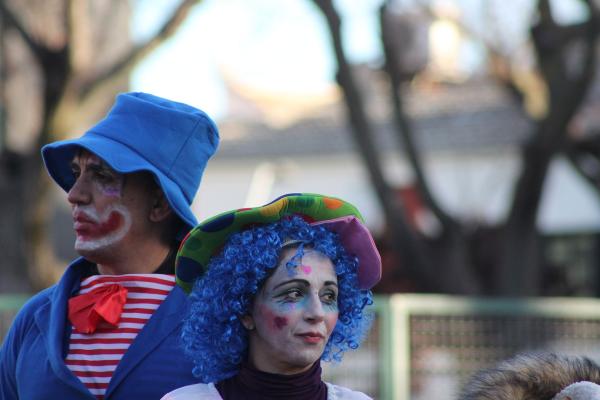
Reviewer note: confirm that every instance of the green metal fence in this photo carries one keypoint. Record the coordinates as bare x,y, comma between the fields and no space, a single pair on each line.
440,341
9,306
367,369
425,346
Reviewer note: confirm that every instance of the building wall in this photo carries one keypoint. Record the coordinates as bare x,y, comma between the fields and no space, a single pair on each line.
476,186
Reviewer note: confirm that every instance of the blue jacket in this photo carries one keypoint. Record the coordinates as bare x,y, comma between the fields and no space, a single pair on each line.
32,356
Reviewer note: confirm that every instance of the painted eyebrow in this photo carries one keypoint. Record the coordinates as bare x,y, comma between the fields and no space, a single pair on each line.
303,282
94,166
101,167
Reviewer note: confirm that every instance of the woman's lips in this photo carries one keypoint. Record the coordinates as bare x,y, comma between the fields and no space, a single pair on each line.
311,337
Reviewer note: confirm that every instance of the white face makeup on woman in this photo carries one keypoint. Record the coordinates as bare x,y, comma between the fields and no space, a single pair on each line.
293,314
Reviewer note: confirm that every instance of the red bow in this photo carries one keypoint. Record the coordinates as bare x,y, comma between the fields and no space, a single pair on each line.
104,303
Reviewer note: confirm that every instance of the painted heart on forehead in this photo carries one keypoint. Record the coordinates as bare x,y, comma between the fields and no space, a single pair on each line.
307,269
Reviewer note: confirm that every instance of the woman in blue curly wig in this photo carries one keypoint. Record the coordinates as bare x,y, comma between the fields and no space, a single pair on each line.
277,289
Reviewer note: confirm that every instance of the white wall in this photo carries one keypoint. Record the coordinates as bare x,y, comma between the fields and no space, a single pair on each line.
474,187
226,183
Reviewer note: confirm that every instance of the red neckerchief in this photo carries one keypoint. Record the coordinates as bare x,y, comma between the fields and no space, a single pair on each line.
104,303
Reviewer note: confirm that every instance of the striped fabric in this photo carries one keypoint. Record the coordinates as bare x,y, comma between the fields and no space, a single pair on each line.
93,358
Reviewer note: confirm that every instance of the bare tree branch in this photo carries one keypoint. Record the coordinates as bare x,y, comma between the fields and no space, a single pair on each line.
11,20
404,129
78,34
403,240
584,156
456,275
498,59
62,79
130,59
566,95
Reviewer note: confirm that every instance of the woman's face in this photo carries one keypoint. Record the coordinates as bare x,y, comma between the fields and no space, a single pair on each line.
293,314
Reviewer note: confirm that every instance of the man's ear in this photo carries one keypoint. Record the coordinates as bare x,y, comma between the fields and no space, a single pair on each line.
248,322
160,207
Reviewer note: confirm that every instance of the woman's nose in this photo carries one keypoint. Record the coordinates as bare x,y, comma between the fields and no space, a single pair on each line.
314,309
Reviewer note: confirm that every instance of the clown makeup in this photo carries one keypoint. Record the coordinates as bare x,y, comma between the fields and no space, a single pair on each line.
106,180
292,264
100,217
95,230
294,315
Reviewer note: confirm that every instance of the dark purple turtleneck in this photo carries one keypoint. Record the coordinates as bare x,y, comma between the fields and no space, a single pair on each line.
252,384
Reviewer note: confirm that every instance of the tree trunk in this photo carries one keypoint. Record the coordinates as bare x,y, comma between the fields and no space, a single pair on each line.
402,240
12,230
81,66
520,270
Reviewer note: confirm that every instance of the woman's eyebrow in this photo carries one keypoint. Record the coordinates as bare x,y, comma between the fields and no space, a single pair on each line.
303,282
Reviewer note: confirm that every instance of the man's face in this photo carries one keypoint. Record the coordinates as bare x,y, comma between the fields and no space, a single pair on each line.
108,208
294,314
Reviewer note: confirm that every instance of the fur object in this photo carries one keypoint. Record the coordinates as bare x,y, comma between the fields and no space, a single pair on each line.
531,377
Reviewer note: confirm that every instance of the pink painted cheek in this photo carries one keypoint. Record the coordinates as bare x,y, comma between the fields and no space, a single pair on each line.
280,322
275,322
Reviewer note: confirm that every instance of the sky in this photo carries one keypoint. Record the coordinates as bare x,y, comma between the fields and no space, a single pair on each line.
284,45
275,45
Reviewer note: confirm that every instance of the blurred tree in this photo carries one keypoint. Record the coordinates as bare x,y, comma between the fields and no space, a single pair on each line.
61,63
453,262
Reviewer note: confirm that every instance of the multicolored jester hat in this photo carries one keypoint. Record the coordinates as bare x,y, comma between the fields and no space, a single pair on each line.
337,215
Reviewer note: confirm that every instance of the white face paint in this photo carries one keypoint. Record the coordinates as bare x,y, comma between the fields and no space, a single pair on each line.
96,230
294,314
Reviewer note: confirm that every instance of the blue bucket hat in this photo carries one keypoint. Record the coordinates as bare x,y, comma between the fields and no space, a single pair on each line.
143,132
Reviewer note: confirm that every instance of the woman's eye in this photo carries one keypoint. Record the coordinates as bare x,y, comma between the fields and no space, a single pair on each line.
329,298
293,294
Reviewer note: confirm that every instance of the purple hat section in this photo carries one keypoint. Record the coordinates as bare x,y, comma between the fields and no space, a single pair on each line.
357,239
143,132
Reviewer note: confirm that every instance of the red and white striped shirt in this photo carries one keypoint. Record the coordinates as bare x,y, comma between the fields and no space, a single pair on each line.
94,357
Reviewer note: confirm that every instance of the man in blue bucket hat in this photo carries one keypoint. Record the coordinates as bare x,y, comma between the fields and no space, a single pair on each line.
109,328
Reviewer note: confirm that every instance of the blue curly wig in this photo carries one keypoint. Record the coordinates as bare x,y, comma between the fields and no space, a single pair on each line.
213,334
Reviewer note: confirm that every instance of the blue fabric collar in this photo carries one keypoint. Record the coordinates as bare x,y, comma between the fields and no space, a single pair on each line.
53,314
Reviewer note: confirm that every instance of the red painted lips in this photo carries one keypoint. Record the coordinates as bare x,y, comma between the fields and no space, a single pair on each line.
311,337
86,226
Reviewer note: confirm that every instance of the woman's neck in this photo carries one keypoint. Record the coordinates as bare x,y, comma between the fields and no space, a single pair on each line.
255,384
